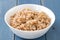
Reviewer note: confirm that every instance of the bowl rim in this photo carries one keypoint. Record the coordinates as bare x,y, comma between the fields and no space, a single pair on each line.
29,31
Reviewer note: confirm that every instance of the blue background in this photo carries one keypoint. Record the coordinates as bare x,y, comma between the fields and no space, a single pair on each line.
52,34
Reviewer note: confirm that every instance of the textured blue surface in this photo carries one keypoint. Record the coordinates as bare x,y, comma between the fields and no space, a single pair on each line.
28,1
5,32
40,38
52,34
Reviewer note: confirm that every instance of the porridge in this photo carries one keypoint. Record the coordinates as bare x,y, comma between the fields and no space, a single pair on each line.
30,20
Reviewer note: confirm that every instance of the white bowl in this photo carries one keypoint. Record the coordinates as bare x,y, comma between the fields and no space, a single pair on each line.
29,34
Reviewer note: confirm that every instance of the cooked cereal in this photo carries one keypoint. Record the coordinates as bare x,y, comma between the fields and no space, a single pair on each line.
30,20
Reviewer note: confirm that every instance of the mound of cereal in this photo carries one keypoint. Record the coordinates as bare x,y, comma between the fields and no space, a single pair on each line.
30,20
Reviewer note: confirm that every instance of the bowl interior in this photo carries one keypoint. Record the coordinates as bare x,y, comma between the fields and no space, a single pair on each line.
38,8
